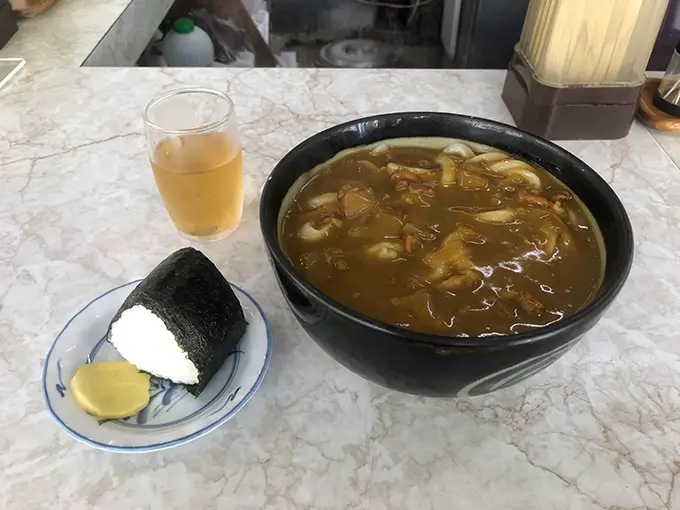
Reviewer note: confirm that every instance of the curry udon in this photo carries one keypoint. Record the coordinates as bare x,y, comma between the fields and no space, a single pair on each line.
443,236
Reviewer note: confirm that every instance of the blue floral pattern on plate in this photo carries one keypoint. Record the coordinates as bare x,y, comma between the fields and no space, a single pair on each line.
173,416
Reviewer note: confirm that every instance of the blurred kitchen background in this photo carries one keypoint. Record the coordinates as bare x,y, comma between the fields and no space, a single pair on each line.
477,34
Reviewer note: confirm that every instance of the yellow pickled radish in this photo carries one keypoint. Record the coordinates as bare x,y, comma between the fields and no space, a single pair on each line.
110,389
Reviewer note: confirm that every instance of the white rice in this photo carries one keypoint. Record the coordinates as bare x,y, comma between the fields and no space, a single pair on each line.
142,338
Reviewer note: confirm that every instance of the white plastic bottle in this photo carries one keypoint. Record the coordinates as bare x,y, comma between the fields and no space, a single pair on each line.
187,45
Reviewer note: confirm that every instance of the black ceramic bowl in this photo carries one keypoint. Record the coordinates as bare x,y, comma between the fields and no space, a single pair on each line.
429,364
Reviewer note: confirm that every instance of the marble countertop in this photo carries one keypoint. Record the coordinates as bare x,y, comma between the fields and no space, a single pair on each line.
79,214
64,36
108,33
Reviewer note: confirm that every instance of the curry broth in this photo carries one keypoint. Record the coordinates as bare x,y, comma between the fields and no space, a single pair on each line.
452,242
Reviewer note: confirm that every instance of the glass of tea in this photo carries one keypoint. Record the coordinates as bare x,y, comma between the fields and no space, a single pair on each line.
197,159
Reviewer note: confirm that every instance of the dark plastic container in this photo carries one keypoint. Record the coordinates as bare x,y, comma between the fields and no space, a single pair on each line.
8,22
568,113
667,97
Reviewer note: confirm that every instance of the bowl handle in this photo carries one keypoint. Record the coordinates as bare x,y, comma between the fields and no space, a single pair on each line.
302,306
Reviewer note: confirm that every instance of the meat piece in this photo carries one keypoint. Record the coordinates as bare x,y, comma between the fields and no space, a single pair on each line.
559,209
470,181
309,259
451,257
336,258
404,180
529,303
424,173
507,294
561,196
377,225
334,222
552,232
558,200
327,217
409,198
401,186
416,306
528,198
408,242
384,224
463,233
418,194
422,190
353,201
505,309
404,175
425,235
414,283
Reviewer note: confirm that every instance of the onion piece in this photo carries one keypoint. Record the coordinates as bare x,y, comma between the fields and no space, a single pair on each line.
385,250
551,235
367,165
310,233
566,240
467,279
462,233
379,225
323,200
498,216
354,201
452,257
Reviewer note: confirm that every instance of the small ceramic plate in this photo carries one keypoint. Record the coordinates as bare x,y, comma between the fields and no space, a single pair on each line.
173,416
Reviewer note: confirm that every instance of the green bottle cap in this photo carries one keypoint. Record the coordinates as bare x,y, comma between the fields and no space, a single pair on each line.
183,25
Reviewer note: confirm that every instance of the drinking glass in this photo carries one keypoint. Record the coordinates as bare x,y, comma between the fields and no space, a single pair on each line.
197,160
